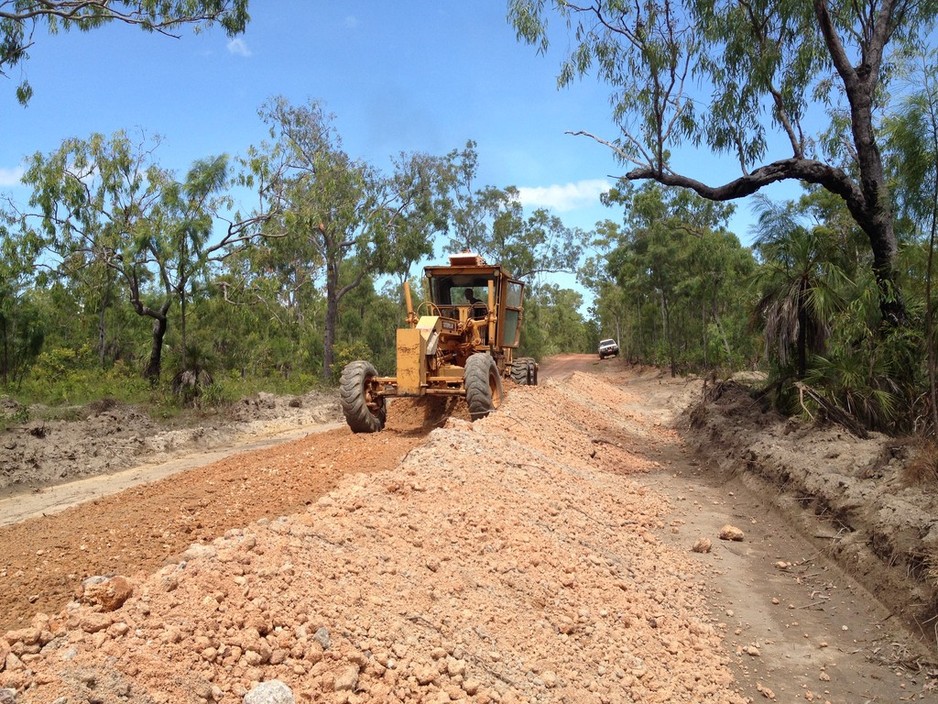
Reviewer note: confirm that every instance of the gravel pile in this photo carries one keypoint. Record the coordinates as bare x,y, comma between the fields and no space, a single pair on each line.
509,560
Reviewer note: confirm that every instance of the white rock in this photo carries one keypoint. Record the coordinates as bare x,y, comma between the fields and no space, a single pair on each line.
270,692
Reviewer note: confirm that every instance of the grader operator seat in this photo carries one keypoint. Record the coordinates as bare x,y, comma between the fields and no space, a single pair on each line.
477,309
462,298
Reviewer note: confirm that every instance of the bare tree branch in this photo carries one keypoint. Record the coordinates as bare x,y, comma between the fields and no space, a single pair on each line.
830,177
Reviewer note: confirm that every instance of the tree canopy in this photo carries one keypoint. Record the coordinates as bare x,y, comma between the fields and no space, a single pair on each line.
344,217
679,279
768,70
108,217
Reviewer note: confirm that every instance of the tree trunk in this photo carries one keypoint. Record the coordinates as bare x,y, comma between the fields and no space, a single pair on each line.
152,372
873,211
641,331
182,327
929,305
667,334
332,317
719,324
102,325
929,320
5,360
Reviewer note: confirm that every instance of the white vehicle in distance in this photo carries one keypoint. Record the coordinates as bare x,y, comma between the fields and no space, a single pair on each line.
608,348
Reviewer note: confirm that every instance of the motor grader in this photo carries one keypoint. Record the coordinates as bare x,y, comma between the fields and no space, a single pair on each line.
455,345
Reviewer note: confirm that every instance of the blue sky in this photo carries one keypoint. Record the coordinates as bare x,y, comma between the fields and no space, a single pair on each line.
399,77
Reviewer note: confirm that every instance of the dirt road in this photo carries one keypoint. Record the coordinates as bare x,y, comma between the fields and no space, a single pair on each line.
543,554
138,519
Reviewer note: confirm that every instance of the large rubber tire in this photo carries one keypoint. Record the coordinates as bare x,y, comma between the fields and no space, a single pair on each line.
363,413
524,371
483,385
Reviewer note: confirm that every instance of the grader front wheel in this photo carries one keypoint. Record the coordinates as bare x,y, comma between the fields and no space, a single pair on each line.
483,385
364,411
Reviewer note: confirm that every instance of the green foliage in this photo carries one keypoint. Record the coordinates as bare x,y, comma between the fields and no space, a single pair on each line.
57,362
671,283
340,218
912,135
875,376
22,331
21,338
744,80
553,323
116,225
491,222
823,326
215,395
65,376
346,352
801,285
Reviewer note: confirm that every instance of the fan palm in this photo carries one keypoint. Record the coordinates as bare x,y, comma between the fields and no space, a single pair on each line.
800,283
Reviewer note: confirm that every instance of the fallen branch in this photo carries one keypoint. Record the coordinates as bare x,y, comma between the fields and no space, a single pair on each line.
833,411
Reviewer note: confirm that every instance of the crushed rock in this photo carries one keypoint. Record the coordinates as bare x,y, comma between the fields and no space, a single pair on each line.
507,560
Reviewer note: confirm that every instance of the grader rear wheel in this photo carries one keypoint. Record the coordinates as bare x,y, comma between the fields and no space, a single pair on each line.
483,385
364,412
524,371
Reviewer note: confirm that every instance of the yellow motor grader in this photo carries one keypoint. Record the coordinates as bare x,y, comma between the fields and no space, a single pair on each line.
457,344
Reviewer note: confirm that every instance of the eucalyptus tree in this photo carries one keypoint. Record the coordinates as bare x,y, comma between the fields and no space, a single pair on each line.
768,71
21,19
419,207
555,313
611,305
104,203
189,212
21,328
681,274
468,219
526,244
336,210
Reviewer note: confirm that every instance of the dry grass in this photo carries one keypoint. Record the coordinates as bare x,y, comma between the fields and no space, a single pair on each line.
922,468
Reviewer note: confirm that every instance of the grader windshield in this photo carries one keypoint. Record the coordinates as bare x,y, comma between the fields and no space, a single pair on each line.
463,296
452,294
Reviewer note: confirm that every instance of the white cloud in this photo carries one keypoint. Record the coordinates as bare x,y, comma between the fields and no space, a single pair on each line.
11,177
564,197
238,47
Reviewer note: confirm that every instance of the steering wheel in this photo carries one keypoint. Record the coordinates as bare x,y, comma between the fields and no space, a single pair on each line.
428,308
